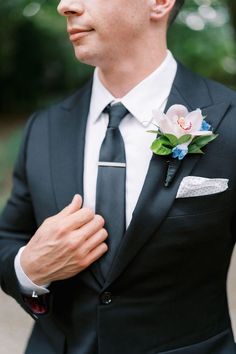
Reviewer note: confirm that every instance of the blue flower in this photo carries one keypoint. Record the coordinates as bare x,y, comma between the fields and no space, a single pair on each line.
205,126
180,151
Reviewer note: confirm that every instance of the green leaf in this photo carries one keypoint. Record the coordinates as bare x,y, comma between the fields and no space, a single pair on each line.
159,149
163,151
165,141
153,131
184,139
194,149
156,144
172,139
201,141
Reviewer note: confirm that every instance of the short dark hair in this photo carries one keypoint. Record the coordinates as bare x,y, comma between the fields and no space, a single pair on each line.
176,10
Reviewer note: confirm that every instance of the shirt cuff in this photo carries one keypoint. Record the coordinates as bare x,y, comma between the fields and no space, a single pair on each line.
26,285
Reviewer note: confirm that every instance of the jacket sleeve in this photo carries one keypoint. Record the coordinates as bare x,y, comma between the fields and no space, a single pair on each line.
17,223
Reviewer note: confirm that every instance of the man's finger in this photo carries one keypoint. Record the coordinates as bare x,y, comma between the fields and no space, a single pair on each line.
74,206
84,222
97,253
78,219
93,242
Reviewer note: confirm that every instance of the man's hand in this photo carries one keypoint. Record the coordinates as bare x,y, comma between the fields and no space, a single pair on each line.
65,244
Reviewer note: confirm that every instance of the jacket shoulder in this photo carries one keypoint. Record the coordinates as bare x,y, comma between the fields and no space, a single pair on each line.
219,92
67,103
197,90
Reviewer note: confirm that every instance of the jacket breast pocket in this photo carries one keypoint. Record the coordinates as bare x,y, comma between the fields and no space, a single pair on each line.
202,204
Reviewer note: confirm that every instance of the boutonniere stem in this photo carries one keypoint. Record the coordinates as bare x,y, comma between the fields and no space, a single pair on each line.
172,168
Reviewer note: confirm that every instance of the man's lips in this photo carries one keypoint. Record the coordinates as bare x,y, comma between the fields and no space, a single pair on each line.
77,33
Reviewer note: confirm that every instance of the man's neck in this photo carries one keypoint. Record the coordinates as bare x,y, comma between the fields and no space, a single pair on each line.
123,76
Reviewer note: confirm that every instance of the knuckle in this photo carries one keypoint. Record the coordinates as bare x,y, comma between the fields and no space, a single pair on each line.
60,228
79,257
72,245
81,236
84,251
84,263
52,228
81,254
47,222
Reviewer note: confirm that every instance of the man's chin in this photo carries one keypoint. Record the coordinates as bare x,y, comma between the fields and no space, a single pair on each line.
85,56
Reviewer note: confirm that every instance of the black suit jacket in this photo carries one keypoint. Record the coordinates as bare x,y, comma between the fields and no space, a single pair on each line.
166,290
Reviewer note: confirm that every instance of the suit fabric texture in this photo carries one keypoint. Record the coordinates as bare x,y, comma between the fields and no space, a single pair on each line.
166,290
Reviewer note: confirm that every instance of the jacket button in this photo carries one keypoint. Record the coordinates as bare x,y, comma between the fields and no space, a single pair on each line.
106,298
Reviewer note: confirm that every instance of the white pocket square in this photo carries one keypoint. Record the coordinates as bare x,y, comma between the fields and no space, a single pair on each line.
192,186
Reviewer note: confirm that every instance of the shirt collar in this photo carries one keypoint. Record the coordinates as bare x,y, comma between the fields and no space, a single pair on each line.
100,97
149,94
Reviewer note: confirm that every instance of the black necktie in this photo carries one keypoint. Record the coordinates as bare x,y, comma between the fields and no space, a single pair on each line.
110,194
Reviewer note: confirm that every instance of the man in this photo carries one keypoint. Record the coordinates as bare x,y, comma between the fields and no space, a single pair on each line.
93,243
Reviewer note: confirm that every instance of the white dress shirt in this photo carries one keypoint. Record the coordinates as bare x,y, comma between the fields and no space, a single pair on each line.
150,94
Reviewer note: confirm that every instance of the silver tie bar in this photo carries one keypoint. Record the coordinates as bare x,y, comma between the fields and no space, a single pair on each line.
111,164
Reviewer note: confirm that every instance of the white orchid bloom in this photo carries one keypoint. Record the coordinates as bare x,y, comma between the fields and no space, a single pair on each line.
179,121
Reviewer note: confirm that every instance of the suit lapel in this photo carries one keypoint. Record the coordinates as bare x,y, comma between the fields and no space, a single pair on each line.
155,199
67,137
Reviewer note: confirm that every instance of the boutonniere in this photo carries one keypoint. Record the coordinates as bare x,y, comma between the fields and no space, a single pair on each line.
180,132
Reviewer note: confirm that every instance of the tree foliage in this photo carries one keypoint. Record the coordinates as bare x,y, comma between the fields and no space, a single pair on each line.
37,63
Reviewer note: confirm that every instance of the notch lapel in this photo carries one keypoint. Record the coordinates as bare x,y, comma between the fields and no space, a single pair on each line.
67,137
155,199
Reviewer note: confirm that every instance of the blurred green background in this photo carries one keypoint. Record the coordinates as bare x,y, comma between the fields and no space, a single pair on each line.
37,64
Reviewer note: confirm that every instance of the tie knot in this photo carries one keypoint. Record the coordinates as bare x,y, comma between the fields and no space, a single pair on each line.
116,113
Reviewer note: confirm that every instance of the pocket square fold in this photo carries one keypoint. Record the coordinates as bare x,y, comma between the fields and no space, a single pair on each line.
193,186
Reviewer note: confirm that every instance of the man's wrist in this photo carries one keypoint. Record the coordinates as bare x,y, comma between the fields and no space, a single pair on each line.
26,285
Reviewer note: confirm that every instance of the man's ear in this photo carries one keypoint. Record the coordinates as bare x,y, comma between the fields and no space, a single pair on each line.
160,9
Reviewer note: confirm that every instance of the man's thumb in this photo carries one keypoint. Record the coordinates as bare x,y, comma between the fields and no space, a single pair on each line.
75,205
